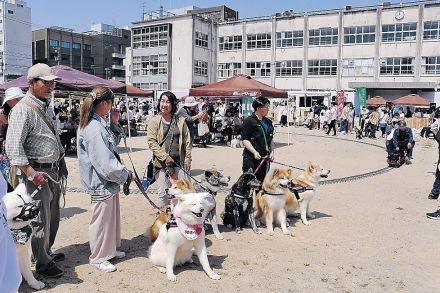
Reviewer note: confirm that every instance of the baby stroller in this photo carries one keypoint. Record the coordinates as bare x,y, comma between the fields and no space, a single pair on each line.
201,134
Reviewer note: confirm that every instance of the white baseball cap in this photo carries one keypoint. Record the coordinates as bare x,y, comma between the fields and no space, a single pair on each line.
41,71
190,102
12,93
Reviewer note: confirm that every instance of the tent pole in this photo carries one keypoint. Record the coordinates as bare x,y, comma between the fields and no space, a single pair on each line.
288,124
128,122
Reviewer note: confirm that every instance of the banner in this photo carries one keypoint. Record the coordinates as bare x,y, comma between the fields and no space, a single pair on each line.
362,96
340,101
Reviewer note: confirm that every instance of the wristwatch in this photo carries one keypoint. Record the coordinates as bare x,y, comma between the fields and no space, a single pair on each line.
32,177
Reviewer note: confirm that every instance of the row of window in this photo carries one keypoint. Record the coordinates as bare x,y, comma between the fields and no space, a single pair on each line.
151,85
148,37
200,68
150,65
329,36
201,40
323,67
66,45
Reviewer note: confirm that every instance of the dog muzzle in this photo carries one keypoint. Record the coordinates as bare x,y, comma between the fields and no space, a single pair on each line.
28,211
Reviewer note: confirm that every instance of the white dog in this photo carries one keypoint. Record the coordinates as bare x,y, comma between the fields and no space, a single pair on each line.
177,239
237,142
20,212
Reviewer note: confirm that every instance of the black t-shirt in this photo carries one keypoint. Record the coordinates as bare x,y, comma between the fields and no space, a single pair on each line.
252,130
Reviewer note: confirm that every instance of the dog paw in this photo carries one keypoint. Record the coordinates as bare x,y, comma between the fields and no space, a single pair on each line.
311,216
162,270
287,232
238,231
172,278
214,276
270,233
37,285
219,237
307,223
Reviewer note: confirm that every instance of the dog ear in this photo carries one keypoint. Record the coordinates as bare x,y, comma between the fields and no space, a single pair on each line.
310,167
250,170
207,173
289,172
275,172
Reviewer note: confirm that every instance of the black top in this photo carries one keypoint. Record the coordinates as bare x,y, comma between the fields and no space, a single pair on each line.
252,130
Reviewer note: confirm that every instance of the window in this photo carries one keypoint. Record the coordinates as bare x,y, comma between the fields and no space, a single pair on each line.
150,65
399,32
431,65
358,67
258,41
152,85
323,36
150,36
88,60
53,43
65,45
228,69
230,43
200,68
290,39
201,40
87,47
288,68
10,11
397,66
359,34
76,59
76,46
323,67
65,57
258,68
431,30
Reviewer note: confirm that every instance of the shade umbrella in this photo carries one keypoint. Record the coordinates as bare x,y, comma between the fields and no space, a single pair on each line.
376,101
71,80
238,86
412,100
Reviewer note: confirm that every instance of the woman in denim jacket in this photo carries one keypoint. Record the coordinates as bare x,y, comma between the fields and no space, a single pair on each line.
102,173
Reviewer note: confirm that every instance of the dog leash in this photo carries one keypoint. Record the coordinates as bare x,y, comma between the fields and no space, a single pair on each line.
286,165
261,164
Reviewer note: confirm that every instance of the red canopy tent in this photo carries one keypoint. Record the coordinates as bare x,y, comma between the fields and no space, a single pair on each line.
237,86
376,101
71,80
412,100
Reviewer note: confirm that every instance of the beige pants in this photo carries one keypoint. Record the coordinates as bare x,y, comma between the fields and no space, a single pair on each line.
105,229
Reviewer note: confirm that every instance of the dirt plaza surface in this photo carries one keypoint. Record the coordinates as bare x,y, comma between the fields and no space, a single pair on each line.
369,235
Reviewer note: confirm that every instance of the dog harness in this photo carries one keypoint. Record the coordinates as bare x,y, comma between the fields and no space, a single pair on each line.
297,189
271,193
21,236
190,232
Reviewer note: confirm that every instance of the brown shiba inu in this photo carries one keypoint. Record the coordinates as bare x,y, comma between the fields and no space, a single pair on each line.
305,188
270,202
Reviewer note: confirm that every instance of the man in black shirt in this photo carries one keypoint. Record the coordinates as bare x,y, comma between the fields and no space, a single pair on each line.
257,134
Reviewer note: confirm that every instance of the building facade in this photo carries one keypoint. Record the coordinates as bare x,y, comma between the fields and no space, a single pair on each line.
15,39
391,50
100,51
175,50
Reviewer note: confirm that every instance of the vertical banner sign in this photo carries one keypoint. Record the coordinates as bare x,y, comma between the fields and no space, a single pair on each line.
340,101
362,96
246,109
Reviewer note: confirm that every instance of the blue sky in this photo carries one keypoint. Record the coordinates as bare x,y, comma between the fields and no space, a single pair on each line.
80,14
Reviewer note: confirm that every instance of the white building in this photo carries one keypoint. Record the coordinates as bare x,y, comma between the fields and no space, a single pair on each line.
15,39
391,50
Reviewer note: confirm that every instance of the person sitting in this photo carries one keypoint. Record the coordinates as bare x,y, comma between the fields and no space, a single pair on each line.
403,139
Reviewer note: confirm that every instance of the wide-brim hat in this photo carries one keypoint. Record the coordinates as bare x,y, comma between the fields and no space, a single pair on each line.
190,102
12,93
41,71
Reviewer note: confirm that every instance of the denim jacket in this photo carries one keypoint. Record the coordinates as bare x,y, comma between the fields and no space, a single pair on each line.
101,172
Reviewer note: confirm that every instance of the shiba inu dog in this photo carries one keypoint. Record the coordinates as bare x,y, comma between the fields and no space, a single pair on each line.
181,234
21,210
270,202
303,190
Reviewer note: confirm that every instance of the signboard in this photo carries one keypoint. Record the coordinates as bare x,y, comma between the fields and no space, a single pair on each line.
246,106
340,101
362,96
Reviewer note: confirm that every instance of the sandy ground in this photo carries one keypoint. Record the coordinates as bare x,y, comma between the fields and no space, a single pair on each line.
370,235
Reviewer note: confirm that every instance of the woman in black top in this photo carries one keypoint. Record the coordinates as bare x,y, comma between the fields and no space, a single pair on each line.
257,134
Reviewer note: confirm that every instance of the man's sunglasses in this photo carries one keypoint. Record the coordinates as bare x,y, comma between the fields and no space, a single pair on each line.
48,83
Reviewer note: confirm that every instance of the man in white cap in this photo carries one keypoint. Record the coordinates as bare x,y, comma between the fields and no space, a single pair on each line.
12,96
189,112
33,145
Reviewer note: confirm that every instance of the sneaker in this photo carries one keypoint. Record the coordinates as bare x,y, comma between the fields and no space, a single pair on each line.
408,161
119,254
49,271
434,215
105,266
57,256
433,196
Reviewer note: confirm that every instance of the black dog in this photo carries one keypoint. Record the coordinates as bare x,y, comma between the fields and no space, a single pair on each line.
239,203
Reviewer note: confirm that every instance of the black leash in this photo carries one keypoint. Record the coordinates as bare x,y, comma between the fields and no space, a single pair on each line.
293,167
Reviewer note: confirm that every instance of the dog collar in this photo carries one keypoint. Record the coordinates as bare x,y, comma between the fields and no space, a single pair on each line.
22,236
190,232
271,193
